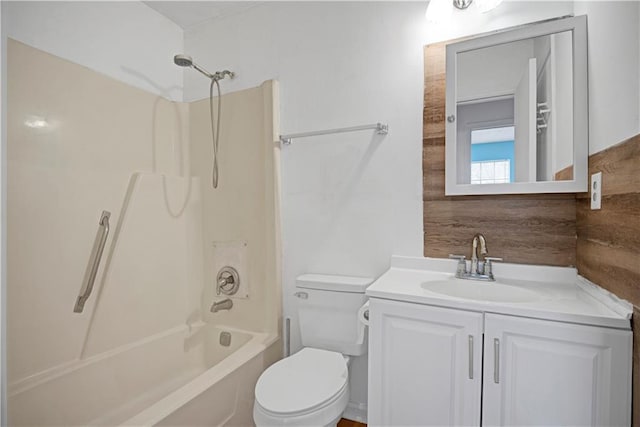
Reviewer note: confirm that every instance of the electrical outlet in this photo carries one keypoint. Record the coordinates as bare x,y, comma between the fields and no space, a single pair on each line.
596,190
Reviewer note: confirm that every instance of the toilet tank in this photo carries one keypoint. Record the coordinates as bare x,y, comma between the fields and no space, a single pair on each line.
328,312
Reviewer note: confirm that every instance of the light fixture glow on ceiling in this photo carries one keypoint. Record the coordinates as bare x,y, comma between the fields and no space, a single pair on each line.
439,11
485,6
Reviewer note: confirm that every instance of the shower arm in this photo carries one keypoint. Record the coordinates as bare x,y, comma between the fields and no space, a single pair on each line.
218,75
203,71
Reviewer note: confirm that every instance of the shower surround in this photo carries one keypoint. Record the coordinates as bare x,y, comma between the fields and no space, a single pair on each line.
80,143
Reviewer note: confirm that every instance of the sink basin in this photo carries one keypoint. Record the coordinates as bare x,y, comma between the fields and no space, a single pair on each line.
481,291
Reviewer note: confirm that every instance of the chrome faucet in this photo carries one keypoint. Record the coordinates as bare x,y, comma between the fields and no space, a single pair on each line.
225,304
478,238
480,270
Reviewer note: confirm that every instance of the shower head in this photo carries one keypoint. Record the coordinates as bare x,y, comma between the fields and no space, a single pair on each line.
183,60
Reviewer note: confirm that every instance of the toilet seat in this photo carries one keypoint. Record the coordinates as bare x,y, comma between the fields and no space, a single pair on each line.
305,382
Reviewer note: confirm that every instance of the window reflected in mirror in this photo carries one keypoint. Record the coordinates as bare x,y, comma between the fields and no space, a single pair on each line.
492,155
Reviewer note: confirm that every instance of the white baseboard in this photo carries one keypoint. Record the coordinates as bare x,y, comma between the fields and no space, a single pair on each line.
356,412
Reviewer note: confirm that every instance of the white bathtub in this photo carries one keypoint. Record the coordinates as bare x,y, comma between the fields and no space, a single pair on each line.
179,377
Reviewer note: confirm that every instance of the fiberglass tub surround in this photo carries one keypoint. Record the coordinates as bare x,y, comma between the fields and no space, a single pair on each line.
129,378
145,345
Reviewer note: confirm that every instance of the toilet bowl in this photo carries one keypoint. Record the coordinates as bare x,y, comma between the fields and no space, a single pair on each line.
309,388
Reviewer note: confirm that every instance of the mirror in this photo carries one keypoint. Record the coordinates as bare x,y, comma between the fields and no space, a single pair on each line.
516,107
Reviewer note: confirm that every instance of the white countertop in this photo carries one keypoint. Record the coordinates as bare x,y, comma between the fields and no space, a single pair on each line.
565,296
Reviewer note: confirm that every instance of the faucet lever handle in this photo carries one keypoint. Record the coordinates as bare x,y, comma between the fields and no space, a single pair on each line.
462,264
488,266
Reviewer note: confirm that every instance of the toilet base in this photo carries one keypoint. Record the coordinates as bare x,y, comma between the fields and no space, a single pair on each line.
325,416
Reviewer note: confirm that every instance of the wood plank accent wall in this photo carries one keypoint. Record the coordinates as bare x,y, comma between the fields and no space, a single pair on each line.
530,229
608,250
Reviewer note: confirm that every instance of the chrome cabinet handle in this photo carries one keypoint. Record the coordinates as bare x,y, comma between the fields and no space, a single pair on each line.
94,262
496,360
470,357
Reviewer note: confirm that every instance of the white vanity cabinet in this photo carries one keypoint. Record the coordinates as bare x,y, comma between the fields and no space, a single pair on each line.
426,364
539,372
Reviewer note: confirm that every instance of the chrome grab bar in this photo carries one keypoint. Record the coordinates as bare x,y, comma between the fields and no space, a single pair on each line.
94,262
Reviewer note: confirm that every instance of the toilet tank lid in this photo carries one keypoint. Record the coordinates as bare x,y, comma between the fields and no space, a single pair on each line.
329,282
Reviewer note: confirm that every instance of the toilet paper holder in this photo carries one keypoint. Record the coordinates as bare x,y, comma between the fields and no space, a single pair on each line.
363,322
363,314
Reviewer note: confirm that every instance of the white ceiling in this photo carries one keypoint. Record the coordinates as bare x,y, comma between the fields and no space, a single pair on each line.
189,13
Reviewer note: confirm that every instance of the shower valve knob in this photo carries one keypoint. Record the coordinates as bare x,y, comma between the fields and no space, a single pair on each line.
228,281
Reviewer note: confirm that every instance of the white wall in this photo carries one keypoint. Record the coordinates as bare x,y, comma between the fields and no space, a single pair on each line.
493,71
3,215
349,201
338,65
614,71
125,40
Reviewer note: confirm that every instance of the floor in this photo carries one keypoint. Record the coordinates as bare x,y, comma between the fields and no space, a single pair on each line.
349,423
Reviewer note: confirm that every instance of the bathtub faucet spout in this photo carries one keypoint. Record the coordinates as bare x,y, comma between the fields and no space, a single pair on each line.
225,304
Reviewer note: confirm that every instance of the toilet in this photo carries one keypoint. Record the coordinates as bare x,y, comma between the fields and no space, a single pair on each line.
311,387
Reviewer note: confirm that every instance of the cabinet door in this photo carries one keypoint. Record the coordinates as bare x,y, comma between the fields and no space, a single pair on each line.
540,372
425,365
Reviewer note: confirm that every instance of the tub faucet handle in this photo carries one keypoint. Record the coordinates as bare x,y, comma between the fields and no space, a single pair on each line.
228,281
224,281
